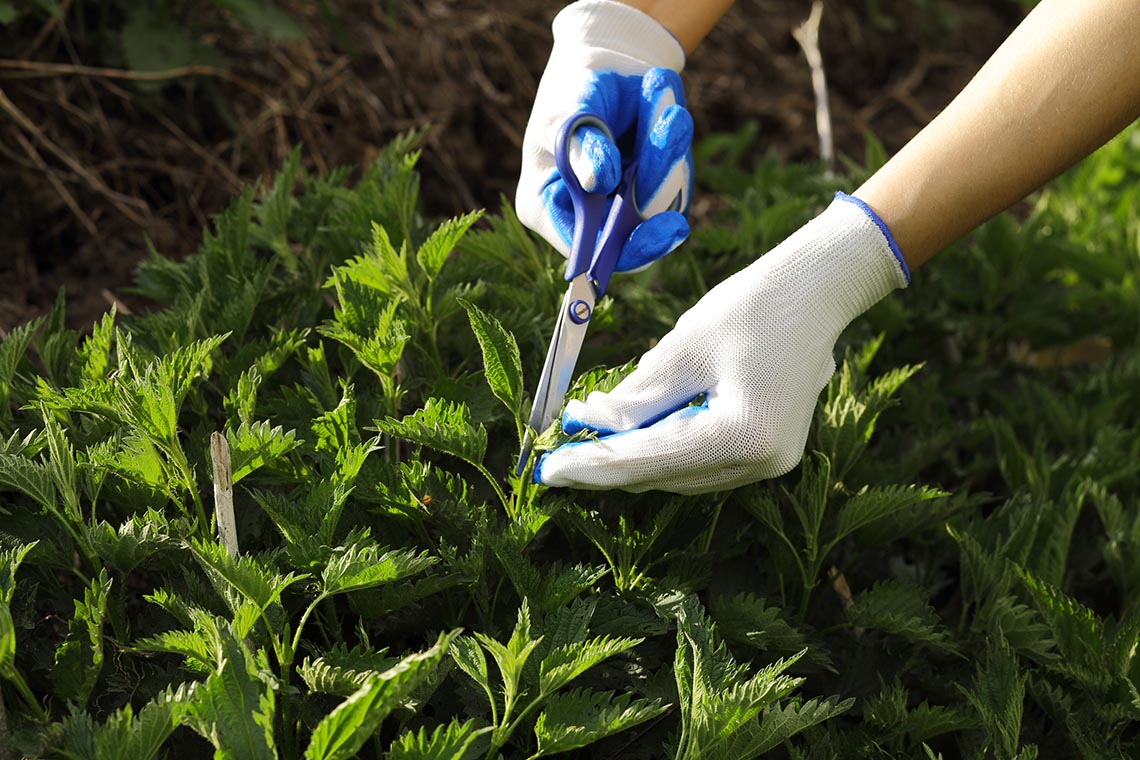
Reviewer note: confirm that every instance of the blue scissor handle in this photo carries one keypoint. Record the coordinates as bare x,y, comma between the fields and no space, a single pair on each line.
589,208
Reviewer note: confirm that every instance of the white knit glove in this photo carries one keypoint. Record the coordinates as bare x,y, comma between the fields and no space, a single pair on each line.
759,346
622,65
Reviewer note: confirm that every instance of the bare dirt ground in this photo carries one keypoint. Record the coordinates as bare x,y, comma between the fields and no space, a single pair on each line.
98,163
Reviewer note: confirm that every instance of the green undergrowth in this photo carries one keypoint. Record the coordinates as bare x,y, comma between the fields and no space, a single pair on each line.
952,571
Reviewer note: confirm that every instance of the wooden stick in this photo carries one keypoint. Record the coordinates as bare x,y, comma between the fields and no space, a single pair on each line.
807,35
224,492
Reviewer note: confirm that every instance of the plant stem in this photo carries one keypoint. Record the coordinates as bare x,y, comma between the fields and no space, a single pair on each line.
301,626
498,489
30,698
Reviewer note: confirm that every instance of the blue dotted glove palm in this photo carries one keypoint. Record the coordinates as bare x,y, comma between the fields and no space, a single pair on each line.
618,63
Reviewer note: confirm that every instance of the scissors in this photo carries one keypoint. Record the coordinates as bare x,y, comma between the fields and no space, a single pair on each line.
590,265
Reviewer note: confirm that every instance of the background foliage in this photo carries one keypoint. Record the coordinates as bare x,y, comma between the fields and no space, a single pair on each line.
951,571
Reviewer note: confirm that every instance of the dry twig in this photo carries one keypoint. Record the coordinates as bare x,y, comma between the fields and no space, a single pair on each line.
807,35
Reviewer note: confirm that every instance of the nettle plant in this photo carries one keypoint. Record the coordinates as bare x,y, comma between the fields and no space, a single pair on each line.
395,591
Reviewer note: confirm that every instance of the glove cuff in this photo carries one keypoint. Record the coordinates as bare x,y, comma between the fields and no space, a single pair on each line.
865,262
842,262
619,28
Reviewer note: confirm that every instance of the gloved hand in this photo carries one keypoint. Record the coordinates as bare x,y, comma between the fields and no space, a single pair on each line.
759,346
621,64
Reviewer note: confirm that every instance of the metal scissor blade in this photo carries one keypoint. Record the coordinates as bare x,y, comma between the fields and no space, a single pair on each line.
558,371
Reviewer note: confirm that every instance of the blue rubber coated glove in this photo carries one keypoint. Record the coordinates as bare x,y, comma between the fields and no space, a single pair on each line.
621,64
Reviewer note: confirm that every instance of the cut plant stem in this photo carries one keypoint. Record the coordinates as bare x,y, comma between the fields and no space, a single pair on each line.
223,493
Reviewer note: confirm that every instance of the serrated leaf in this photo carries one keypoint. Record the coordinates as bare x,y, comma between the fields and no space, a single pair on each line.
468,655
360,566
903,610
244,574
443,426
12,350
341,671
132,543
876,503
254,446
335,430
79,659
501,362
999,696
779,723
192,645
745,618
234,709
140,737
582,716
435,250
20,474
450,742
342,733
568,662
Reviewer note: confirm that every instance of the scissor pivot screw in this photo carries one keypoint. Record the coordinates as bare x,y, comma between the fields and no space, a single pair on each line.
580,312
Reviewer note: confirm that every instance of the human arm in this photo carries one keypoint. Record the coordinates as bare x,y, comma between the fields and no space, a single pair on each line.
687,20
1064,82
759,345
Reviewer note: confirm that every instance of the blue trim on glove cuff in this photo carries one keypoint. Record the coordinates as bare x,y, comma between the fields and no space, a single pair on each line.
840,195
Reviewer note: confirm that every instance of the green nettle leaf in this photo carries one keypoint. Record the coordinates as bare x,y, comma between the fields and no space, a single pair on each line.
133,542
234,708
468,655
447,742
360,566
583,716
746,619
1080,634
876,503
254,446
512,657
10,560
999,697
245,574
20,474
79,659
342,733
335,430
566,663
126,735
500,358
194,646
95,353
12,350
777,724
241,401
443,426
341,671
435,250
721,706
903,610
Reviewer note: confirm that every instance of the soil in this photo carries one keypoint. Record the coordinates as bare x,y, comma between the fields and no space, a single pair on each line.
97,166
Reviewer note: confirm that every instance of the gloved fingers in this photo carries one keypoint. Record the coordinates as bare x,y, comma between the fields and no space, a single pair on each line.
664,145
662,382
596,162
678,453
653,239
595,159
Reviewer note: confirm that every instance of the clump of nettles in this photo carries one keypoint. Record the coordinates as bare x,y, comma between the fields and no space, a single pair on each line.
396,592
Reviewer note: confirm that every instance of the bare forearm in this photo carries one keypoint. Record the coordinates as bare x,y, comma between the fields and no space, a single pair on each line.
688,20
1064,82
